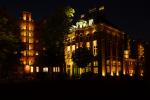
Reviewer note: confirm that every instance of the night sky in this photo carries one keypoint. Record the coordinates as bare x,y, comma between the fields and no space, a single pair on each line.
133,16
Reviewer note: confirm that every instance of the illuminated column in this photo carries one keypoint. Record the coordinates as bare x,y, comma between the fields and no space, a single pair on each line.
125,61
141,59
103,57
27,36
111,59
117,66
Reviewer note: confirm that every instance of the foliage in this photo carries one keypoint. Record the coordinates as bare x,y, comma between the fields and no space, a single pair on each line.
82,57
9,45
52,32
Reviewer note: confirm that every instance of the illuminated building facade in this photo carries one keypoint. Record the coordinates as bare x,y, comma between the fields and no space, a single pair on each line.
27,36
110,48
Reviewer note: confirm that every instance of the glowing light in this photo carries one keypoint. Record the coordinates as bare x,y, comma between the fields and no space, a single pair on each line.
112,74
27,68
126,54
37,69
103,73
32,69
45,69
117,73
101,8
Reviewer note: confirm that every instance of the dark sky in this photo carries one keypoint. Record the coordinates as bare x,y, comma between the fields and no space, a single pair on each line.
133,16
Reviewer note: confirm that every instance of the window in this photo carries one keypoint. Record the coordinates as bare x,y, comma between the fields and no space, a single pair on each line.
56,69
30,40
36,53
23,33
30,46
37,69
30,34
24,39
88,45
31,52
45,69
95,63
95,47
96,70
32,69
108,69
73,48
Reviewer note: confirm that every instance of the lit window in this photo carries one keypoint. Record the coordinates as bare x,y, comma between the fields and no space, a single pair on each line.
31,52
30,61
23,26
114,63
126,54
23,33
30,46
56,69
108,69
73,48
32,69
91,21
95,47
96,70
24,16
24,39
29,17
88,45
30,40
87,33
27,68
37,69
45,69
107,62
36,53
30,27
30,34
95,63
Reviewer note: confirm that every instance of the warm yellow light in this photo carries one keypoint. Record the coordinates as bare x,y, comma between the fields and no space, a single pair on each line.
103,74
27,68
96,70
45,69
30,40
30,46
23,26
37,69
88,45
131,74
36,53
117,73
126,54
112,74
24,16
32,69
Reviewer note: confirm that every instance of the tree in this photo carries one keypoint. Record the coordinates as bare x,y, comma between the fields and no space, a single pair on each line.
9,45
82,57
52,33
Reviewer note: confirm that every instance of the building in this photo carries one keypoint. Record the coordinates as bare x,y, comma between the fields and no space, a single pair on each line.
27,36
110,46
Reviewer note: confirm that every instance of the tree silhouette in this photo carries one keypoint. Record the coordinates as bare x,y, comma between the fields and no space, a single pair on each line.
82,57
10,44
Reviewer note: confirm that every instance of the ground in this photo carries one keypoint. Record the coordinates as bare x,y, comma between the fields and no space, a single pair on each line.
75,89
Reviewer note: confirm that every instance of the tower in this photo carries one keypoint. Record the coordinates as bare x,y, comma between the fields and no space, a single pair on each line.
27,37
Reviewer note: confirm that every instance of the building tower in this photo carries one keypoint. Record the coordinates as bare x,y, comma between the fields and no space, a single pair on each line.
27,37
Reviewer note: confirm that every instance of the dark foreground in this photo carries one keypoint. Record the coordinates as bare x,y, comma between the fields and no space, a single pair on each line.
76,89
